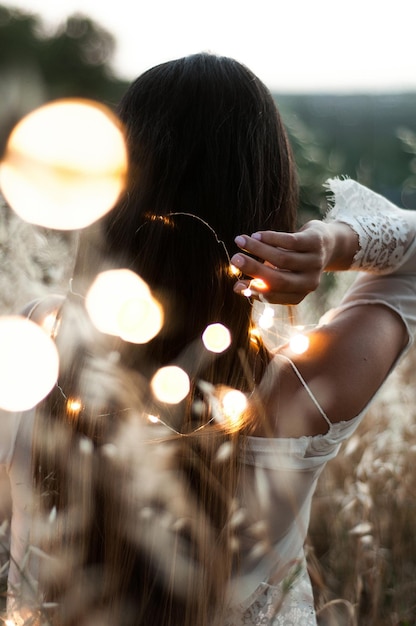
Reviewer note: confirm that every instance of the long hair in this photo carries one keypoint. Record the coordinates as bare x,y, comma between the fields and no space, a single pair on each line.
209,159
205,137
188,269
134,515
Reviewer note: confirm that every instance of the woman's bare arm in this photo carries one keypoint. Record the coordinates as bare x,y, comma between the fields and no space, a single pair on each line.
351,354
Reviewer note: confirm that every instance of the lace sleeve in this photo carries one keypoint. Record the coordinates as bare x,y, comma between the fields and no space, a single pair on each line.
383,230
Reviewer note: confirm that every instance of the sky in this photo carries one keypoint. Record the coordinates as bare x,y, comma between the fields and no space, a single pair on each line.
292,45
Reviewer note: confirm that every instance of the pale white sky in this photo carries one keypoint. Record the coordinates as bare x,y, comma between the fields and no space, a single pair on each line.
292,45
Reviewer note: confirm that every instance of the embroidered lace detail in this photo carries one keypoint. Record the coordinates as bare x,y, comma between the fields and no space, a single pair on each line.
382,229
288,604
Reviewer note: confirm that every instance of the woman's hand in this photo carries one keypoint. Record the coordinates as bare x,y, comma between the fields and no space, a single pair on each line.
293,262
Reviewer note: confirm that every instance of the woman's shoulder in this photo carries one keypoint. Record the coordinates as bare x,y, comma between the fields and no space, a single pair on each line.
289,407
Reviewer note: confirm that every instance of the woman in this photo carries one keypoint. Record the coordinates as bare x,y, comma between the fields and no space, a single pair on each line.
198,515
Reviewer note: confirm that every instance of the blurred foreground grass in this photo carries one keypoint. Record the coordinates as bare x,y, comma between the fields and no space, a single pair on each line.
362,540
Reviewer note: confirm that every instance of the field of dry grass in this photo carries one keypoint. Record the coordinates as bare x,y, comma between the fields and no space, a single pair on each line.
362,540
33,262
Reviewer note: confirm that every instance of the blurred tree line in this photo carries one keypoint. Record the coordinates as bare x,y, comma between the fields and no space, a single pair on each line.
368,137
37,66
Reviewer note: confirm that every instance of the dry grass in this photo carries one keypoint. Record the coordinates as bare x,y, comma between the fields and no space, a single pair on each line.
362,539
34,262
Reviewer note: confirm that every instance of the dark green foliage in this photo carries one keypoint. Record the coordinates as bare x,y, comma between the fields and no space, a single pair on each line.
368,137
73,61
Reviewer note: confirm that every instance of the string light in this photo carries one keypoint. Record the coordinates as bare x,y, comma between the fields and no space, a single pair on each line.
216,338
233,270
29,363
233,405
285,329
258,284
50,323
266,319
73,408
255,285
120,303
255,334
170,384
65,164
299,342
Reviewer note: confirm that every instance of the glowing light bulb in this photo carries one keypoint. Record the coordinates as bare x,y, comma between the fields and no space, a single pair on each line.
247,292
234,271
153,418
65,164
255,334
258,284
265,322
29,363
120,303
299,343
216,338
266,318
73,407
50,324
234,403
170,384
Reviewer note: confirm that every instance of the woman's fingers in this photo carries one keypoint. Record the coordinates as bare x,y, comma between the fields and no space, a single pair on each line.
291,264
278,286
288,251
272,296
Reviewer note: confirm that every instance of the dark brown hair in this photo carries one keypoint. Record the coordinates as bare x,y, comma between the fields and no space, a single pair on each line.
209,159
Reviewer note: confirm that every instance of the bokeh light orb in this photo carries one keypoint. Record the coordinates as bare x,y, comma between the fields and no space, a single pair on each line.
29,363
299,343
234,404
170,384
120,303
216,338
65,164
266,319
